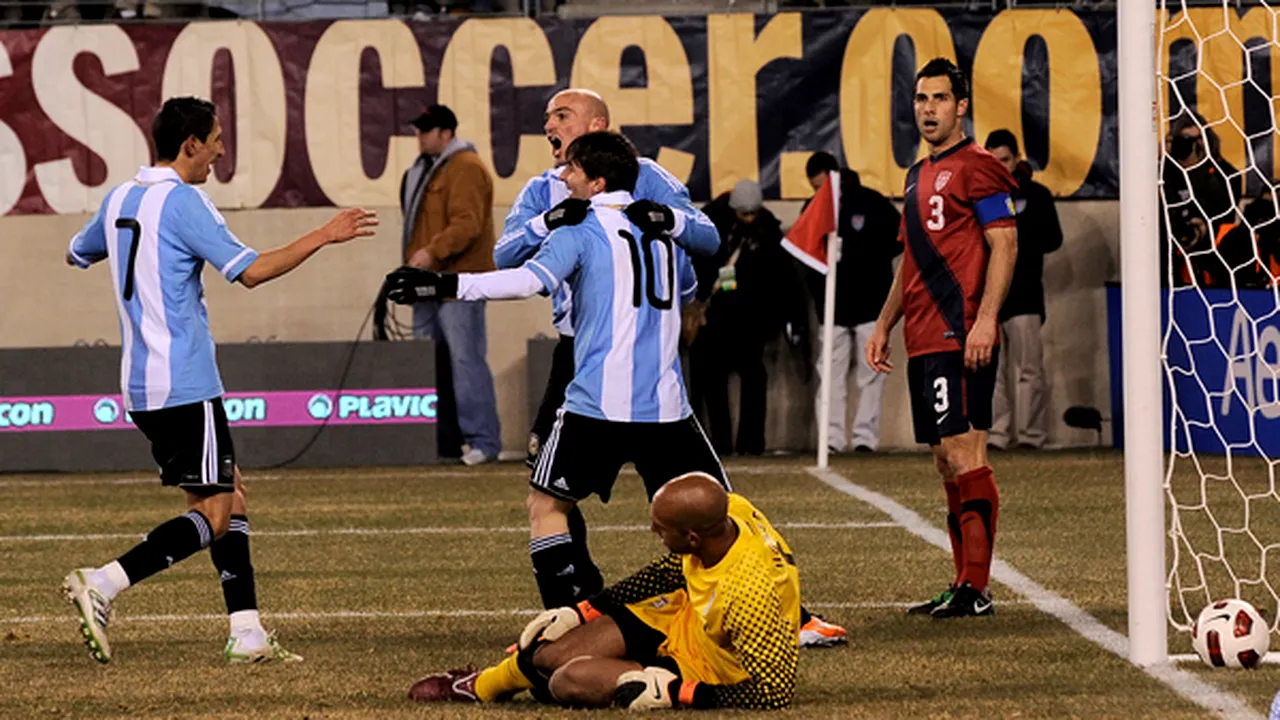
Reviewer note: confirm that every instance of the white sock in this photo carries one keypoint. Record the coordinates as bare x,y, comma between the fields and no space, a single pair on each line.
110,579
246,624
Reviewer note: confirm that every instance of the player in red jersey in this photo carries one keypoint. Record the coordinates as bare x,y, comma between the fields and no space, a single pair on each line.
961,242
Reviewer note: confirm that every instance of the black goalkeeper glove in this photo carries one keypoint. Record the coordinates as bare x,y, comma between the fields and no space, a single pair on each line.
409,285
570,211
652,218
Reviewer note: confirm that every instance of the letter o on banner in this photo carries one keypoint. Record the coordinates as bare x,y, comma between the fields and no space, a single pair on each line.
1075,90
866,88
260,103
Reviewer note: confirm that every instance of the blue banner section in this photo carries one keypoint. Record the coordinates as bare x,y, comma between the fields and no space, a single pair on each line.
1222,370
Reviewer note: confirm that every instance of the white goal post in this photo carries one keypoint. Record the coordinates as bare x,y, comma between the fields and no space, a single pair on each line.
1143,371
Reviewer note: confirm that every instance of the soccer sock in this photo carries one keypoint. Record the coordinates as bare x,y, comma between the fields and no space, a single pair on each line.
230,555
589,577
980,507
953,529
500,680
805,617
554,566
110,579
171,542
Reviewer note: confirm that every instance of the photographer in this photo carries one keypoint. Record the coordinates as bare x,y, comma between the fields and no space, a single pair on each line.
1201,192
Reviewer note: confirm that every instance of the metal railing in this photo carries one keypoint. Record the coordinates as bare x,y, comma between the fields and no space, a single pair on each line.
35,13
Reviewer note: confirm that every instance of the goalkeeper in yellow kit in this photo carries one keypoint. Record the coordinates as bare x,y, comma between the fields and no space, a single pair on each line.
713,624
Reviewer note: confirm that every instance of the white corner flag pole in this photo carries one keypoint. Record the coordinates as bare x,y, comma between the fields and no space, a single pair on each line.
828,336
828,333
1140,300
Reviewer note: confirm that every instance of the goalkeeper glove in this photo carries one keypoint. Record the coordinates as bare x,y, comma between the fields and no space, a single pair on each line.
570,211
652,218
409,285
652,688
552,624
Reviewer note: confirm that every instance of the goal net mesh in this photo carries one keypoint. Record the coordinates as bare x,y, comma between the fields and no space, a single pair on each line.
1218,90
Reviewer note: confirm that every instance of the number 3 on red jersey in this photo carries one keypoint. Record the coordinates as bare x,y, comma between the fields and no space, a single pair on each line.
936,219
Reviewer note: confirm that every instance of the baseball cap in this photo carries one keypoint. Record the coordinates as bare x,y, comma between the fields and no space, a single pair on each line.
746,196
436,116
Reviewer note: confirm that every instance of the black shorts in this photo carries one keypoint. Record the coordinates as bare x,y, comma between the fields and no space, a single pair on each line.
946,398
583,455
192,446
640,640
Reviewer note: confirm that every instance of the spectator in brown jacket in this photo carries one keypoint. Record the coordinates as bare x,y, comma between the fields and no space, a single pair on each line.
447,201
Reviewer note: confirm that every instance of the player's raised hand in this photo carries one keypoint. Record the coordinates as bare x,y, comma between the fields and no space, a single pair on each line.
350,224
979,344
878,350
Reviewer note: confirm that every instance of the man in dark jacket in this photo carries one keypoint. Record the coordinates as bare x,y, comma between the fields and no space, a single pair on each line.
868,227
1023,311
750,292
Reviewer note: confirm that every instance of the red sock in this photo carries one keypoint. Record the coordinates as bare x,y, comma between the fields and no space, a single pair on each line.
953,529
979,509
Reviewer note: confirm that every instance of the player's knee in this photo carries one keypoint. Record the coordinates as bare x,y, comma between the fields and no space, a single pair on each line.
941,462
569,681
552,656
541,506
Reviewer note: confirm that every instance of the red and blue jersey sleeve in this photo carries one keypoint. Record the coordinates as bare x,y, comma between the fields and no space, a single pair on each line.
989,188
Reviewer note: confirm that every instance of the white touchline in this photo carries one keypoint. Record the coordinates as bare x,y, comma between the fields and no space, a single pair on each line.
371,614
441,530
1204,694
430,472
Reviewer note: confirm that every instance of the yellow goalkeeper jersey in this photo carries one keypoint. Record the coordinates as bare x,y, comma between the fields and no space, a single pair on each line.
734,626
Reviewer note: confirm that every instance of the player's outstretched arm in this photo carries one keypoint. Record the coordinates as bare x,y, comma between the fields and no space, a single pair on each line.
1003,240
346,225
523,230
878,346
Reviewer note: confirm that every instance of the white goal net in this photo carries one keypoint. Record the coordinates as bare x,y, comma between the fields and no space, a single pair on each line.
1218,90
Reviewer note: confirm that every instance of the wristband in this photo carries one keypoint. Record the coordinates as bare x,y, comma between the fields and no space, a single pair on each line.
687,689
587,611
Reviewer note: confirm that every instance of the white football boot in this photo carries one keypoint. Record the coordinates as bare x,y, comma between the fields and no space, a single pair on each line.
241,649
95,612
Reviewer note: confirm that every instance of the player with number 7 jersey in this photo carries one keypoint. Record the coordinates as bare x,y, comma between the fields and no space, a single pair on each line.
960,233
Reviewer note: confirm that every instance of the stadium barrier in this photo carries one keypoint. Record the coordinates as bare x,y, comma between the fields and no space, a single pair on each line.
1222,370
301,404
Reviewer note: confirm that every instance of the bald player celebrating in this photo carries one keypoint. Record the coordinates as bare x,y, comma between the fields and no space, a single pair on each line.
713,624
545,200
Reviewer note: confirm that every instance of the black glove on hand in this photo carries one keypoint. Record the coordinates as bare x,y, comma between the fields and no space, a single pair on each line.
570,211
409,285
652,218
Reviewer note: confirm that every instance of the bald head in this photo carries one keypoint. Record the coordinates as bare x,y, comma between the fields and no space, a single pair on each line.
694,502
570,114
588,102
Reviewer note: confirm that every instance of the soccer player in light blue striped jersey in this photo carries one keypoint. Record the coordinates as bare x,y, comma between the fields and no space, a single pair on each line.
570,114
626,402
157,232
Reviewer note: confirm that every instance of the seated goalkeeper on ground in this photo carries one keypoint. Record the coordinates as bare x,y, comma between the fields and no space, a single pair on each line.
713,624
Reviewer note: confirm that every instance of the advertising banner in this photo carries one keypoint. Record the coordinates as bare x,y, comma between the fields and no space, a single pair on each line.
1222,384
303,404
317,113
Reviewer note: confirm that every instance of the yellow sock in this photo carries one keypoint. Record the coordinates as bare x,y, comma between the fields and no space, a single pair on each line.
501,680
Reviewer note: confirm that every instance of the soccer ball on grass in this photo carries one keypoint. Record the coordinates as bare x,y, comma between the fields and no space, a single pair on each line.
1230,633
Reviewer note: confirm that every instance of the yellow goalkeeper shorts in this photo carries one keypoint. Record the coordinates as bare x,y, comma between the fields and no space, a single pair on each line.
687,641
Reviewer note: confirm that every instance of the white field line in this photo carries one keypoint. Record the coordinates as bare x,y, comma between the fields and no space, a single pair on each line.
372,614
442,530
429,472
1183,683
1268,659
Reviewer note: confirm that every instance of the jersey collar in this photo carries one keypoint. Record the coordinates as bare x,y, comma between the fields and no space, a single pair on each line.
149,175
620,198
951,150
